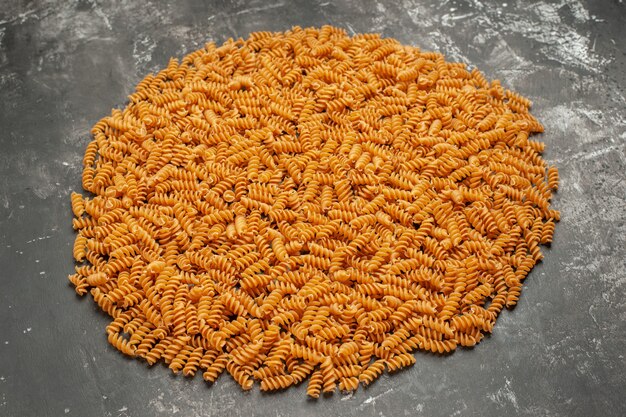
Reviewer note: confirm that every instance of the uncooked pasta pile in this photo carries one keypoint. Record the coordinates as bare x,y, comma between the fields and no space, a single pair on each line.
310,206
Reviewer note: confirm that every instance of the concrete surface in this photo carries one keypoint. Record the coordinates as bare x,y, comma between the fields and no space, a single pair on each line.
65,64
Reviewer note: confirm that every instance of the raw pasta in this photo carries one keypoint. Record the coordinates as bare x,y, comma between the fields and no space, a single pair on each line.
309,205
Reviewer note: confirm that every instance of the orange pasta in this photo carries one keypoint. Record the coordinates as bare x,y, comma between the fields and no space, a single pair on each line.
309,205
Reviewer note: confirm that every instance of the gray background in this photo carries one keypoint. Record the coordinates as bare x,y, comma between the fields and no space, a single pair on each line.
65,64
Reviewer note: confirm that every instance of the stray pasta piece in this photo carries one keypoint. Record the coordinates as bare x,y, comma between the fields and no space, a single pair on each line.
310,205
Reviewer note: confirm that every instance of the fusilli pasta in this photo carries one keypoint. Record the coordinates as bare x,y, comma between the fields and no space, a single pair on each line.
310,205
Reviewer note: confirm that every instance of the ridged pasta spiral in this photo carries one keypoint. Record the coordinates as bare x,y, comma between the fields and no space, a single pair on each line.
310,205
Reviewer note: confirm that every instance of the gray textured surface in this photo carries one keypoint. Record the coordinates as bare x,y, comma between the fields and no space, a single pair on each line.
65,64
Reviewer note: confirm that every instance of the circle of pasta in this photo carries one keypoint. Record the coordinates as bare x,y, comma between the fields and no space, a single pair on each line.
310,204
